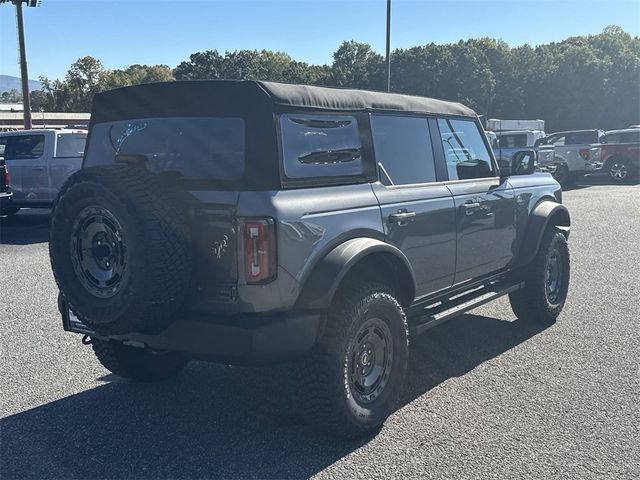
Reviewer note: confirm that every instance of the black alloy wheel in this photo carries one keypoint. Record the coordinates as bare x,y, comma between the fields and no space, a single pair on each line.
98,252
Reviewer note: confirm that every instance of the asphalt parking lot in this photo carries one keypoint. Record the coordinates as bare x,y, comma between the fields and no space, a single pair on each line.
487,397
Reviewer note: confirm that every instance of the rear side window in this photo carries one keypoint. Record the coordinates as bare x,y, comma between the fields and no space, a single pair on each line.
556,140
23,147
194,148
622,137
71,144
320,145
402,146
581,138
465,151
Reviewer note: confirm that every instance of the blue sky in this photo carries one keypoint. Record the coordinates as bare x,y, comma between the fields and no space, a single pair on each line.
124,32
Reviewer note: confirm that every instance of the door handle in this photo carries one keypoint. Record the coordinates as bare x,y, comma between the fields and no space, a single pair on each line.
470,207
402,217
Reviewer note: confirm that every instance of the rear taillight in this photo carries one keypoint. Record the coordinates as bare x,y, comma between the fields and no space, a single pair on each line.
584,153
259,250
5,180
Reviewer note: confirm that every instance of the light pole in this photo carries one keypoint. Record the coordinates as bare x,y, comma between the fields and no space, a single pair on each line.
388,45
26,101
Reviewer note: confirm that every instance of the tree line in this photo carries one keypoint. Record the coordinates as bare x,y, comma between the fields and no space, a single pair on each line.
590,81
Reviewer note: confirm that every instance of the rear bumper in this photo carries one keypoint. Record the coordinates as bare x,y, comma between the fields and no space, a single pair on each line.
5,199
246,339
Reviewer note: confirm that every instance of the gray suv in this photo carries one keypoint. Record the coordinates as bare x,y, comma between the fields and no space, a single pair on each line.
251,222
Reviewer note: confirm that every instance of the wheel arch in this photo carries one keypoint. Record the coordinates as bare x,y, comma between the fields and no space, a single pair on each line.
547,213
366,257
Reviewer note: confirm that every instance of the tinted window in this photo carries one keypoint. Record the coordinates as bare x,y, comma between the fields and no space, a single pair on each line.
512,140
622,137
581,138
320,145
71,144
195,148
465,152
403,146
23,147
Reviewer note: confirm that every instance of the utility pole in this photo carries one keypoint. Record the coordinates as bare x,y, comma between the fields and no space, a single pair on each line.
388,45
26,101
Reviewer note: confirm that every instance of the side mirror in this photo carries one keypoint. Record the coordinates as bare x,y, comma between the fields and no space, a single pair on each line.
524,162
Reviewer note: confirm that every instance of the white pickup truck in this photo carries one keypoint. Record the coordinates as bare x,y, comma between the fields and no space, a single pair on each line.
574,153
508,143
40,161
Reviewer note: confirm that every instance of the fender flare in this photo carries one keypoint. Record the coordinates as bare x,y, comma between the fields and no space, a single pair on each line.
544,214
320,287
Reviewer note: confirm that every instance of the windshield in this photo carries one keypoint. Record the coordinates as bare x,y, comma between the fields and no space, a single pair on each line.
194,148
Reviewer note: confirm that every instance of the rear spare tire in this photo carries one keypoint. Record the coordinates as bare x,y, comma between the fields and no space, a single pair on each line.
120,249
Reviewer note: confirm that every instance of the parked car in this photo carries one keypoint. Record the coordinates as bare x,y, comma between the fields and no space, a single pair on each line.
574,154
620,154
5,190
253,222
511,142
40,161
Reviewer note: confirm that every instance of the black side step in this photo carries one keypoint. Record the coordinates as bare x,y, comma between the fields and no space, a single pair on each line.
448,308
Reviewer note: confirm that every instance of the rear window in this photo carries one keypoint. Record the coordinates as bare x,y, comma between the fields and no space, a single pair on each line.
195,148
512,140
320,145
71,144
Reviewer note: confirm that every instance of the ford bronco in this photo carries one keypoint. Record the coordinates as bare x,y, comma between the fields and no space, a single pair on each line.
251,222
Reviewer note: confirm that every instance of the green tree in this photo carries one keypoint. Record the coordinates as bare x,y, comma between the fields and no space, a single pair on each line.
11,96
247,65
137,74
356,65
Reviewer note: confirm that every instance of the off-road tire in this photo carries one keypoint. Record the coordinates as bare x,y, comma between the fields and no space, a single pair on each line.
137,363
9,211
330,402
154,253
534,303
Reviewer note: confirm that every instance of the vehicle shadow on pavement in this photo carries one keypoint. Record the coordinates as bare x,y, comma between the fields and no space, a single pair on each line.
218,421
597,180
25,228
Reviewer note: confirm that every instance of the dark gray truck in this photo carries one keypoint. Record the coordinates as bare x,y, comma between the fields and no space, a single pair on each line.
251,222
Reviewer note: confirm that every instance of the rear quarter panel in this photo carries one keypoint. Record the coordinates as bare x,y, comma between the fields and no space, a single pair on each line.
310,223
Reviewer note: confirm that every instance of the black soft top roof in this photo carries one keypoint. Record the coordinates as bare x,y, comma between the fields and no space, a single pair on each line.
238,97
350,99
